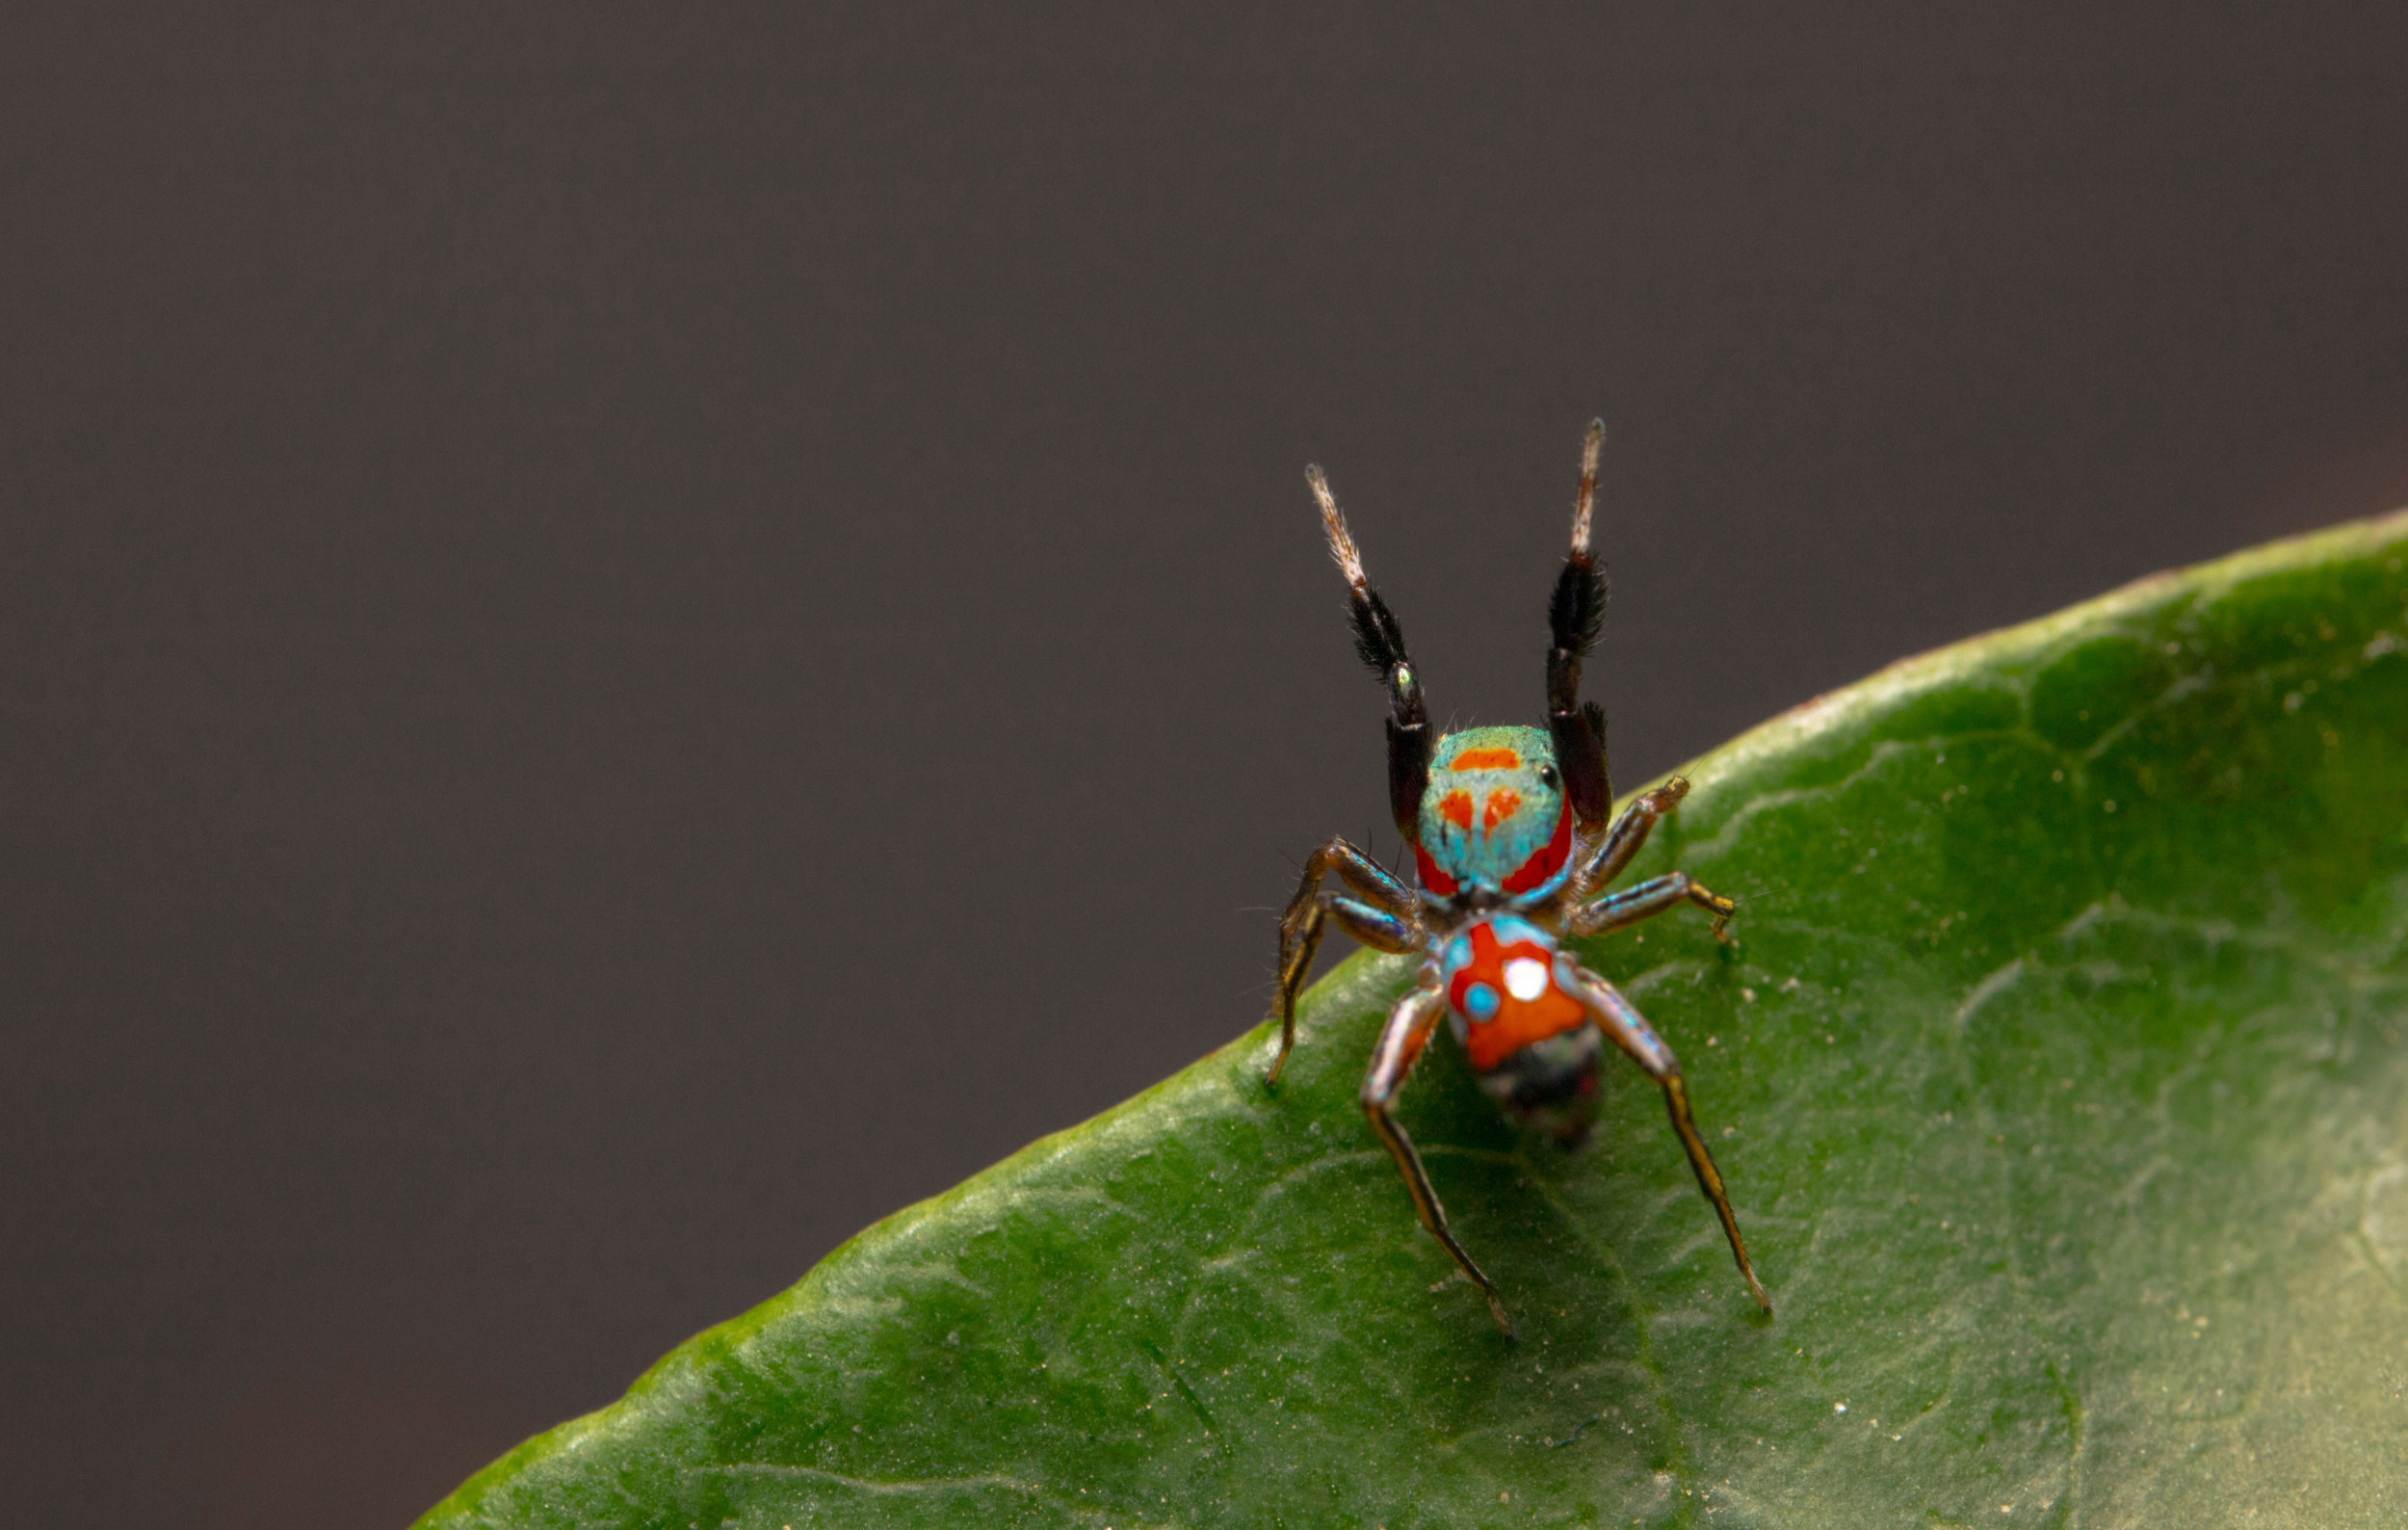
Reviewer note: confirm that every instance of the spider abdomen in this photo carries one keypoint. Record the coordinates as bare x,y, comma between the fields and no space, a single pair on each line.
1551,1085
1511,998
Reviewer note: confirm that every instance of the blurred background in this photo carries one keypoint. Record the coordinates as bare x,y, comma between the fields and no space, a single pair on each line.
631,638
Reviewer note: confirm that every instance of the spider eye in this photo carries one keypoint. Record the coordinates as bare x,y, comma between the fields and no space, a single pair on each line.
1548,777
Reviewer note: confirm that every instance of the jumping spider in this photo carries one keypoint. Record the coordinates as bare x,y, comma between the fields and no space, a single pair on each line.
1510,837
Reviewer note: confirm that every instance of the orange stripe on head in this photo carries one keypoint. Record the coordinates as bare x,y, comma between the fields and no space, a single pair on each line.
1485,759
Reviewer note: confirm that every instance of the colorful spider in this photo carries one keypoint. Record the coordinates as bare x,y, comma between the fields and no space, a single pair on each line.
1509,832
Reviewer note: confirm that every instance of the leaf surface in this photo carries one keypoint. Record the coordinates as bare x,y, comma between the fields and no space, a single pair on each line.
2058,1072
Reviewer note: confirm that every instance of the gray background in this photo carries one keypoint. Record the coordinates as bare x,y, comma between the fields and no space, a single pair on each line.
626,643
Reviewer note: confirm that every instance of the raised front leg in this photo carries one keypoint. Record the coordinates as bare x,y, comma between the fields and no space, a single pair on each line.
1389,921
1645,901
1575,616
1629,832
1400,1043
1629,1031
1380,644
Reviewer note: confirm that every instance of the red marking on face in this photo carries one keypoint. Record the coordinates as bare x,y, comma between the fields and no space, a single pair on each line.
1546,861
1435,880
1485,759
1517,1022
1455,808
1503,803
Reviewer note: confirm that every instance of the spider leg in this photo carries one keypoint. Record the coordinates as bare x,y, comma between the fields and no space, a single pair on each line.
1629,1030
1576,613
1379,642
1375,928
1401,1041
1644,901
1629,832
1388,922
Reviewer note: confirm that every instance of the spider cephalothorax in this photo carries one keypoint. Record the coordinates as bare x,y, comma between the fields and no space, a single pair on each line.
1494,813
1511,835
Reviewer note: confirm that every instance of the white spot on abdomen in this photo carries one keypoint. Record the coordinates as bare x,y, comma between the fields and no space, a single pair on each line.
1525,979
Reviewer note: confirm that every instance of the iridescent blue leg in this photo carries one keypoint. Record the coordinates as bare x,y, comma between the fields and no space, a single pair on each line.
1389,921
1629,1030
1629,831
1644,901
1401,1041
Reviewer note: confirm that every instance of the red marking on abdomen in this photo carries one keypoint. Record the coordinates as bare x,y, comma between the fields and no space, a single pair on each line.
1455,808
1485,759
1503,803
1517,1022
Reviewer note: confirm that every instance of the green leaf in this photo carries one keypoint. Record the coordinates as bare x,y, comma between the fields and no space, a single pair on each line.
2058,1072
